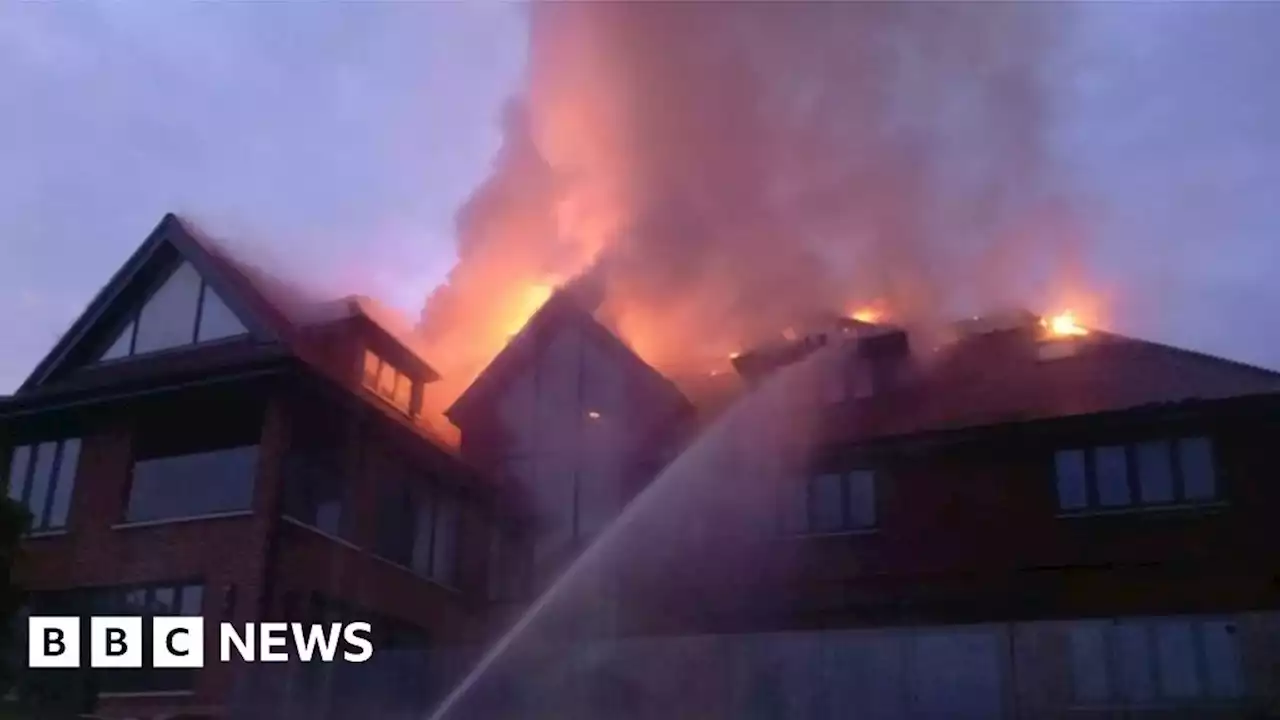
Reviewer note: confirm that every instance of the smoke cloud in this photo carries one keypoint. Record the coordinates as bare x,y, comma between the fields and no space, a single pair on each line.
726,168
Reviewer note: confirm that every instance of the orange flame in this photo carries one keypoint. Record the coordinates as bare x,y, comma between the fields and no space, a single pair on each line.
529,302
1063,325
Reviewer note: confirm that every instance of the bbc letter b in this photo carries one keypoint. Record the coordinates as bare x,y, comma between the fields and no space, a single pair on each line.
115,642
53,642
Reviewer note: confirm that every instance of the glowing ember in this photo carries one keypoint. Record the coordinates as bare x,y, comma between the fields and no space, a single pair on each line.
1063,324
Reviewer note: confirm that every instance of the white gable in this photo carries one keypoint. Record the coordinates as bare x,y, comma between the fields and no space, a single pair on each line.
183,311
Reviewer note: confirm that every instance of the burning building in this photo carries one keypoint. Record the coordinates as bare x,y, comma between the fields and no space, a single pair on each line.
1092,506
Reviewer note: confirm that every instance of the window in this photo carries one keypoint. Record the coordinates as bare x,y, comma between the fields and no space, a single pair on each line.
834,503
384,380
1144,661
1145,474
315,470
182,311
42,477
418,527
187,469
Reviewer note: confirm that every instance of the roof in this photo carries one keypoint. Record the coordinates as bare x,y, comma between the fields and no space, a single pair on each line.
239,294
1000,377
273,310
563,307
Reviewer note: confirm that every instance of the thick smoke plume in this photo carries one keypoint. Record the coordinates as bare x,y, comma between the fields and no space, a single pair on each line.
726,168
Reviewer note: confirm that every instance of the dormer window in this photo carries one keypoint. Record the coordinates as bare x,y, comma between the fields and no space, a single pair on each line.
387,382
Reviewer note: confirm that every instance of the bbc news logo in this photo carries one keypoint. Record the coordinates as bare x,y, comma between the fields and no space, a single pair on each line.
178,642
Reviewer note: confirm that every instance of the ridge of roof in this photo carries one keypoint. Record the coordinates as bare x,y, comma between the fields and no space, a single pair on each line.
562,303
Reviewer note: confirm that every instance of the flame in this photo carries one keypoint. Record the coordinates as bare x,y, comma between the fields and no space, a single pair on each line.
867,315
1063,325
529,302
871,313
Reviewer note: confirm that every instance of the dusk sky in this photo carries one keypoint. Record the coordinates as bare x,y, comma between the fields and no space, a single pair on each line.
339,138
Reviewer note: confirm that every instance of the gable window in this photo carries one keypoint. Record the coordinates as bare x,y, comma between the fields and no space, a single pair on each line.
1144,474
1154,661
834,503
182,311
386,381
42,477
183,471
418,528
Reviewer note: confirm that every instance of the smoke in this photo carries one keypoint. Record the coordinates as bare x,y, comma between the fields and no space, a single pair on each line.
726,168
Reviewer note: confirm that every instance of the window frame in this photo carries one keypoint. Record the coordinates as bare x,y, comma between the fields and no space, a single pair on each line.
1133,476
129,323
253,449
848,524
1148,629
373,383
425,499
42,521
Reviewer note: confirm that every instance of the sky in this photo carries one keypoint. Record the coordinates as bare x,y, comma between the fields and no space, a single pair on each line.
341,137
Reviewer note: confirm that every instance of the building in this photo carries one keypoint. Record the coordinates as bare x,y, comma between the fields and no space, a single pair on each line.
1018,523
205,439
1015,523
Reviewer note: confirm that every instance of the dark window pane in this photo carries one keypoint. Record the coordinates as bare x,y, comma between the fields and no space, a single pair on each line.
191,599
120,348
133,602
169,317
164,601
862,499
216,319
826,507
329,515
1195,455
445,547
1155,472
1176,650
195,484
1069,468
1222,656
18,471
66,482
1089,662
396,519
1133,657
41,480
420,557
1112,470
